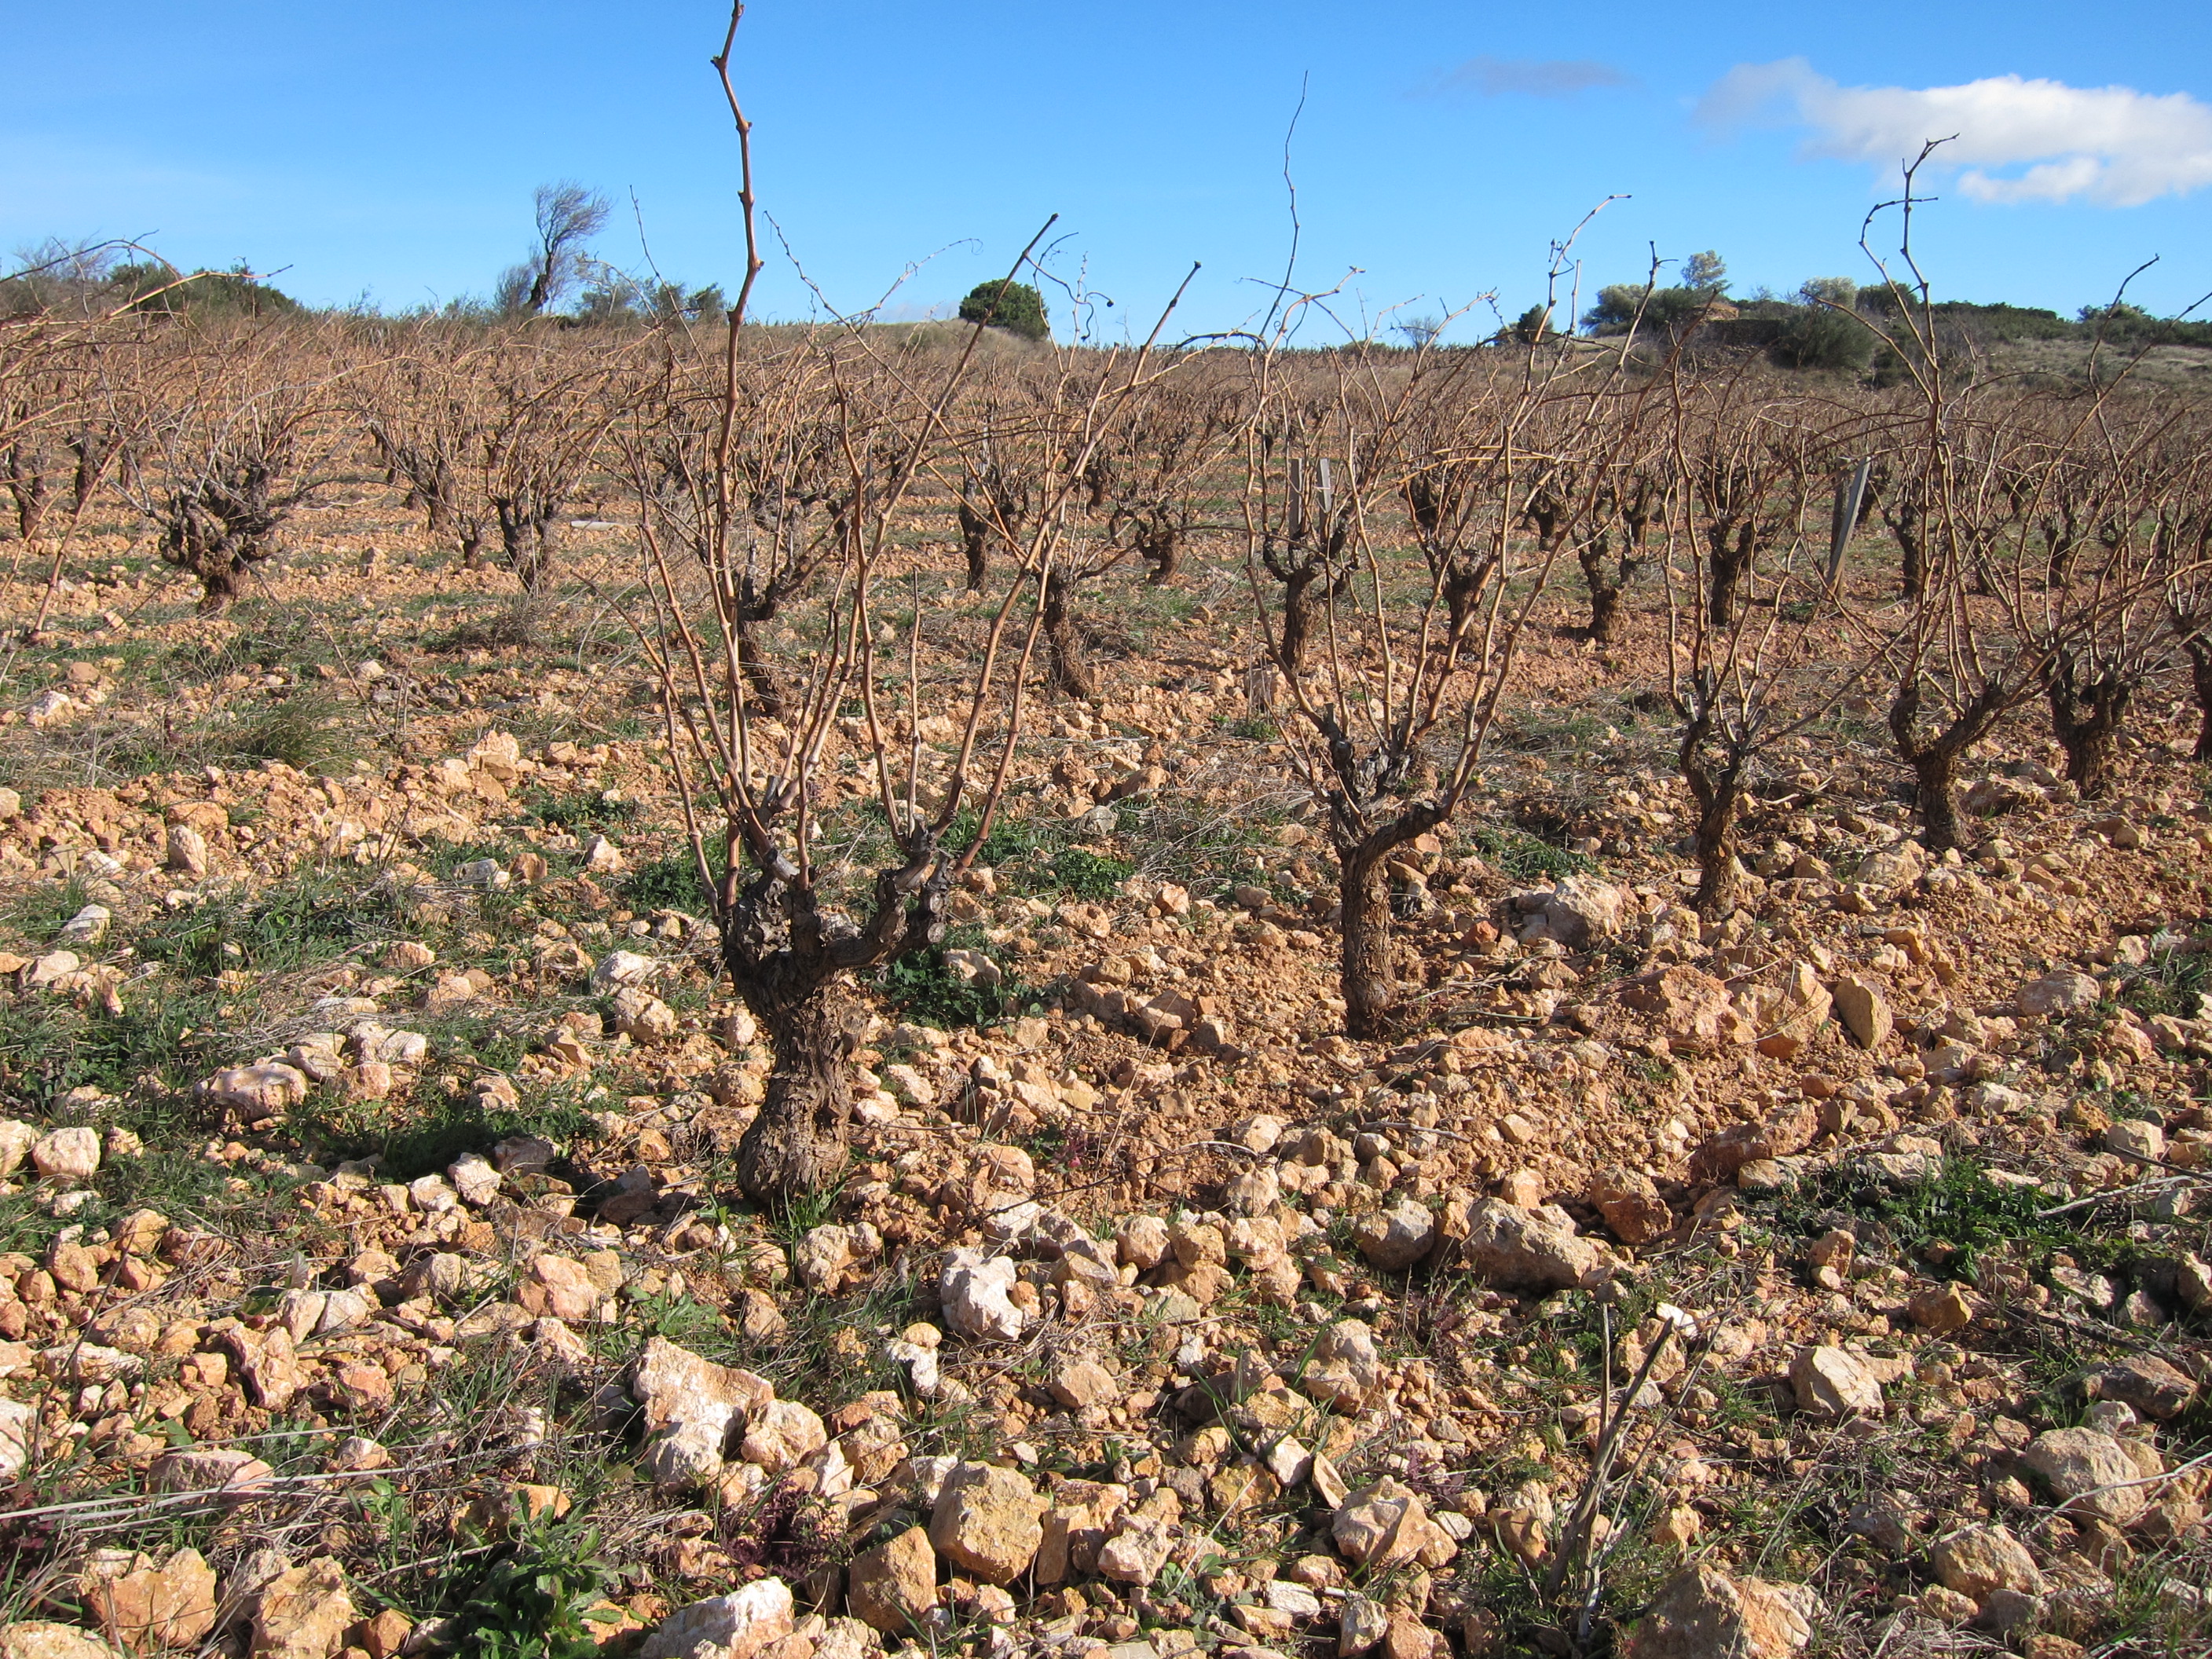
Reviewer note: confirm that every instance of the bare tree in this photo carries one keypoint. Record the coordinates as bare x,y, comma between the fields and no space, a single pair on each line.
568,216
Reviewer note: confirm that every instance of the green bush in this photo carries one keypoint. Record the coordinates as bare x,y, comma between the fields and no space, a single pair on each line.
1817,338
1015,306
535,1601
1088,875
668,884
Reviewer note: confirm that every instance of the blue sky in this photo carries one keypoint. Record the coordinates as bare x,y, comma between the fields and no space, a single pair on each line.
388,152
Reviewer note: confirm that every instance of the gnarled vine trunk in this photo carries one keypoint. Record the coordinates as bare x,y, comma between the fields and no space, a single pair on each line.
2087,717
800,1141
1071,664
1716,783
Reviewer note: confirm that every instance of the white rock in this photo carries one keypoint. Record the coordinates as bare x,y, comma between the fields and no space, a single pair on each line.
15,1141
18,1422
734,1626
67,1155
975,1289
623,968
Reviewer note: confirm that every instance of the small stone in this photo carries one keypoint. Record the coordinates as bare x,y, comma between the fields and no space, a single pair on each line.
303,1613
1834,1382
1864,1010
988,1521
893,1586
1976,1560
734,1626
1704,1614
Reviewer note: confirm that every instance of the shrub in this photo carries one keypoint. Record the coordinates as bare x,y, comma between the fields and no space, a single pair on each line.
1015,306
1817,338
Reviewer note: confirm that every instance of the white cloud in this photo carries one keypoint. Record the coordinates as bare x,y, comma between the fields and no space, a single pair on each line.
2018,140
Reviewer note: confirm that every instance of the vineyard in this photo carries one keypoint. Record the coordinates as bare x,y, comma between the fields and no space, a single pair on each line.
743,989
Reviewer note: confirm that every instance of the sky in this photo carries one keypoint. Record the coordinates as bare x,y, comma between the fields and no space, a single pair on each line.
385,155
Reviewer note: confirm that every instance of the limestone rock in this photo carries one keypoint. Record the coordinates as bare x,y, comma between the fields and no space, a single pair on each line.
558,1286
145,1607
1864,1010
641,1016
1834,1382
1082,1516
18,1425
2132,1138
974,1290
1577,913
734,1626
2149,1384
261,1090
893,1586
1079,1381
783,1435
2057,994
829,1257
1693,1010
1387,1525
1631,1204
67,1156
691,1405
39,1638
1530,1249
1975,1560
988,1521
215,1468
303,1613
1347,1366
2092,1473
1941,1308
1395,1238
1704,1614
1140,1552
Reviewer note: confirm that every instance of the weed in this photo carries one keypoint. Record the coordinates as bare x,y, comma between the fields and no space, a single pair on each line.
924,987
1088,875
1523,857
668,883
1948,1220
307,732
537,1602
587,812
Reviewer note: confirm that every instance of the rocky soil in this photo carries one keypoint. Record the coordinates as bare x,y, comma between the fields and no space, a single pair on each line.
1830,1278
